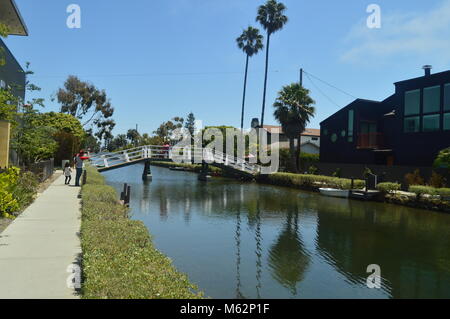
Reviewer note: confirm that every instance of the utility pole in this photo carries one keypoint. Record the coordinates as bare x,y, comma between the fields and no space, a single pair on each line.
301,77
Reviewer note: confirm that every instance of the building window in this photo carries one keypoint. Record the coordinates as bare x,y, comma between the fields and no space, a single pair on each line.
315,138
432,99
412,124
351,124
447,121
334,138
447,97
412,102
432,123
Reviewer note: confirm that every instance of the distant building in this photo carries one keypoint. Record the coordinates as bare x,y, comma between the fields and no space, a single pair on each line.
310,139
409,128
11,73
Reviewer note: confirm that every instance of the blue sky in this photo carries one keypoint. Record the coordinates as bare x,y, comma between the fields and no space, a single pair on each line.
163,58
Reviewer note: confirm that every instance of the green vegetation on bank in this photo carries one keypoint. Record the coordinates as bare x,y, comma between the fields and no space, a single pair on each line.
17,191
309,182
188,167
119,259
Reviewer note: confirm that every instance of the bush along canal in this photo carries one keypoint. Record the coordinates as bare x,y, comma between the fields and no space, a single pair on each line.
119,259
249,240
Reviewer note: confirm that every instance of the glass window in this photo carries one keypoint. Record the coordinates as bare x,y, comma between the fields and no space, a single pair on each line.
412,124
447,97
432,99
412,102
351,121
432,123
447,121
334,138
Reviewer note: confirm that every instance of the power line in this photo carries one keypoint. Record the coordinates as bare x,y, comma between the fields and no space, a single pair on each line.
318,89
331,85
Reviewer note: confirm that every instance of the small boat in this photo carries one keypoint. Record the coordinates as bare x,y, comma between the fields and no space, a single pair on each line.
177,168
332,192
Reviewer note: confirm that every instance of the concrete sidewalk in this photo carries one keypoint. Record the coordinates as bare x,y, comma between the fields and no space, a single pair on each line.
39,246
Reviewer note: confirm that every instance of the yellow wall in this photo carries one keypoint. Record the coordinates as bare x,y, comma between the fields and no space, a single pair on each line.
4,143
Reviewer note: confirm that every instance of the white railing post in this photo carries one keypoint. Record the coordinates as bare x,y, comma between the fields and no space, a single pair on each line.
127,158
105,161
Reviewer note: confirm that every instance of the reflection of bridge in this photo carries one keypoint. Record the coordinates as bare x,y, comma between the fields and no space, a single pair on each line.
149,153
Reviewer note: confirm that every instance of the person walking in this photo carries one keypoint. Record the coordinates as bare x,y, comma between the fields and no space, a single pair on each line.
79,159
67,173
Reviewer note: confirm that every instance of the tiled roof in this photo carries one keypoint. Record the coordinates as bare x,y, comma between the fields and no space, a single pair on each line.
278,129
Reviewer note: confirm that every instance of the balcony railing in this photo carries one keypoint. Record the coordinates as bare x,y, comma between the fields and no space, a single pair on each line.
370,141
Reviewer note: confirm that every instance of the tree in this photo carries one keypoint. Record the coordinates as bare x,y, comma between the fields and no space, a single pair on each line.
250,41
151,140
87,103
133,136
4,30
293,110
68,133
271,17
167,129
190,124
36,141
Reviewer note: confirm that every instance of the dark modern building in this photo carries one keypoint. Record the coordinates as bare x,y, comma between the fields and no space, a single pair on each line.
409,128
11,73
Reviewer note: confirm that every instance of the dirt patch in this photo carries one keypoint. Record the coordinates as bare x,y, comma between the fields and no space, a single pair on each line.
5,222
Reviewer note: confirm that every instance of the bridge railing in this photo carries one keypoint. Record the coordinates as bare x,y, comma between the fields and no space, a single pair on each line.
186,154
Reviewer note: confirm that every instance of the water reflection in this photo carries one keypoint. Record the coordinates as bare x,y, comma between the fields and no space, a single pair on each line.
288,259
249,241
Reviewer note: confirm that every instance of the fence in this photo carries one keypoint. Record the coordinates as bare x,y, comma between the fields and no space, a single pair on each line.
43,170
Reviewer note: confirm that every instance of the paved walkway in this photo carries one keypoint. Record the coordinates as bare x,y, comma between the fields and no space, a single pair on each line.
39,246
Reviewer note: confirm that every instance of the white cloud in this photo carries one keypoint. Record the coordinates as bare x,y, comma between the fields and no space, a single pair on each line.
425,34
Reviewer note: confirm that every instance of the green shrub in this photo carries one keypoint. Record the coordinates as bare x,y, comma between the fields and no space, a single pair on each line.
443,160
119,259
26,188
388,188
444,192
311,181
313,170
422,190
17,191
188,167
337,173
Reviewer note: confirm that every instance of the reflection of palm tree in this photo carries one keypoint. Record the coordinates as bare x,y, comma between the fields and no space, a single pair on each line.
238,256
258,239
287,257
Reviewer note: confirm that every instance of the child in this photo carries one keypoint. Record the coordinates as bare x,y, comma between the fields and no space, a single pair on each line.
68,173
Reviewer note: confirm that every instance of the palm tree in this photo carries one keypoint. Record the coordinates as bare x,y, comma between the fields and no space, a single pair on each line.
251,43
271,17
294,110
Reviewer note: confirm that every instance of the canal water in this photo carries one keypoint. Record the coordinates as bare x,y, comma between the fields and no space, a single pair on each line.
245,240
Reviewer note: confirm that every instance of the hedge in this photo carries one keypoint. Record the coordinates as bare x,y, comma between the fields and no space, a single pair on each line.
428,190
188,167
119,260
388,187
310,181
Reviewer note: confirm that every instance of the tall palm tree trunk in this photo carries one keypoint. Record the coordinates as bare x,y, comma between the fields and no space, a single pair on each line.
299,152
265,79
292,152
245,90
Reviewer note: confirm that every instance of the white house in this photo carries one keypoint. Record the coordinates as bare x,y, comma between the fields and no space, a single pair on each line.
310,139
